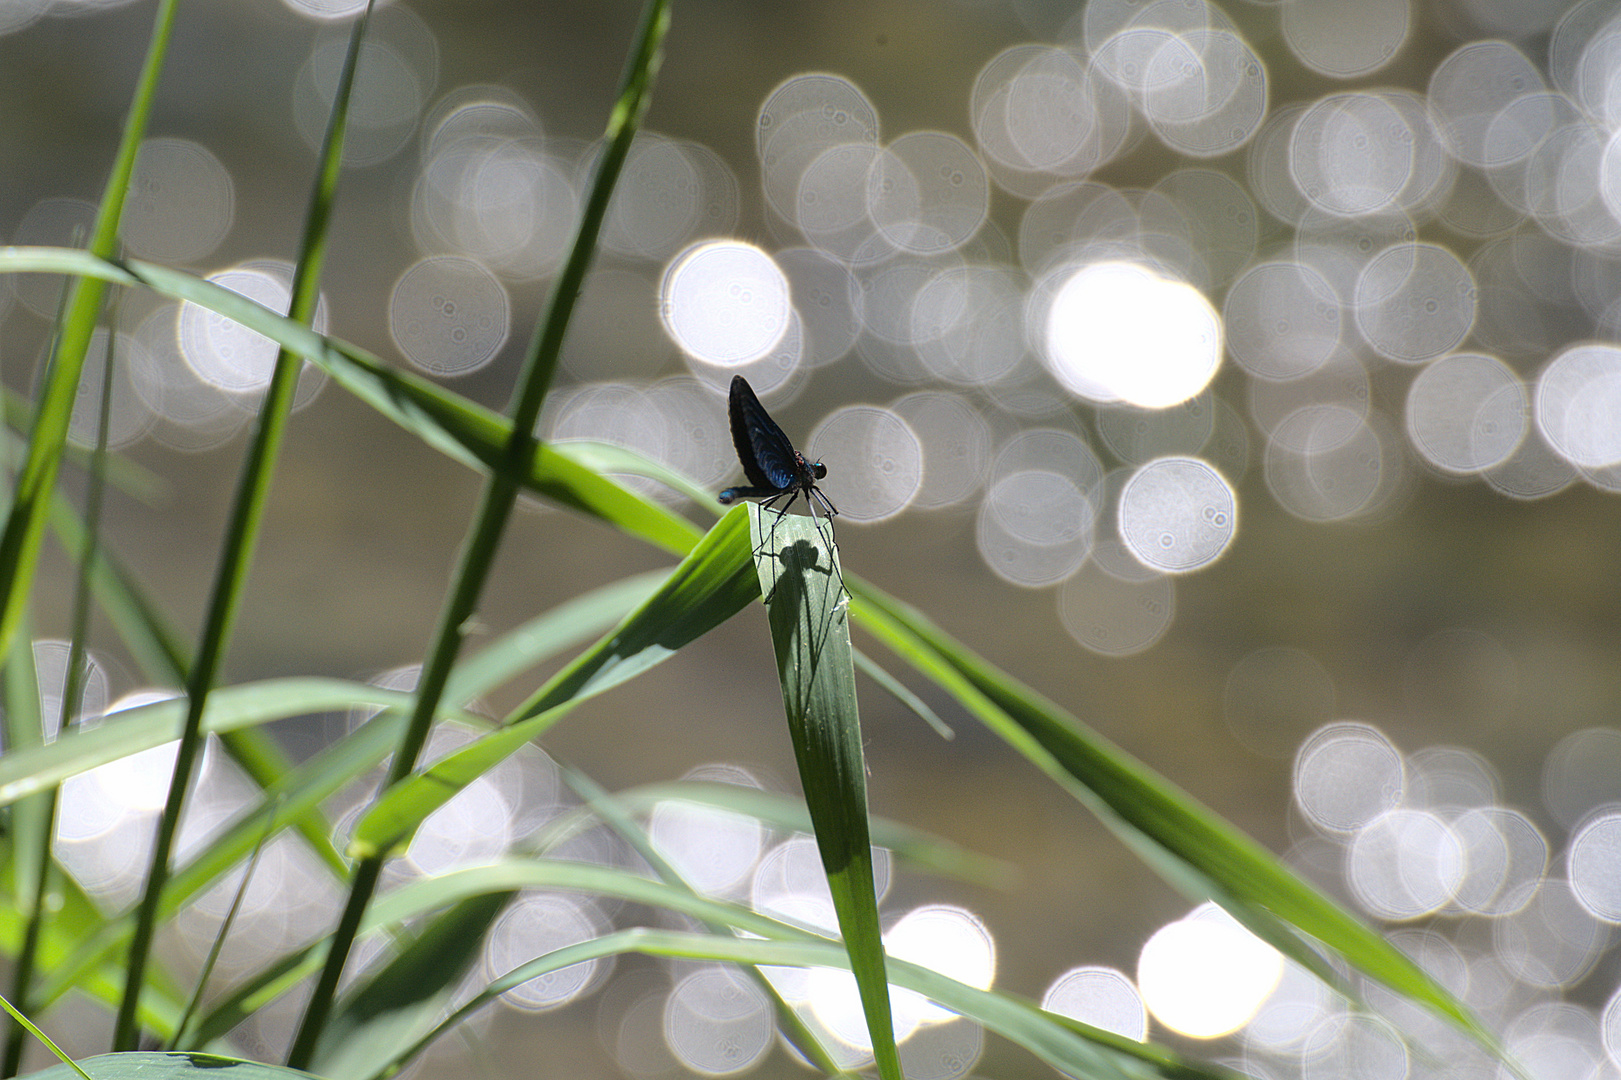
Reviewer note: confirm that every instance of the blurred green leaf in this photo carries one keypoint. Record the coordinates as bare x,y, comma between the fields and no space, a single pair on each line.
146,1065
710,585
403,999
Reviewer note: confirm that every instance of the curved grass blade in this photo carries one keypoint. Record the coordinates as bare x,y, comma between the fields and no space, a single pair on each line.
1068,1045
709,586
1185,841
455,426
300,791
787,814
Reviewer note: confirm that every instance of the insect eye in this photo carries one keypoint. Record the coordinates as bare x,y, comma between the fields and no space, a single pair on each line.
819,470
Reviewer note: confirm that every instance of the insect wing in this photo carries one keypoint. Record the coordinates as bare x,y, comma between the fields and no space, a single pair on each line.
768,457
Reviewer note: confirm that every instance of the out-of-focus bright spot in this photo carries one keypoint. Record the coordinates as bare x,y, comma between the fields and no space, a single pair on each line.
1351,154
326,10
1035,527
828,300
725,302
129,417
717,1023
1327,463
1578,405
226,354
136,783
713,850
1449,779
474,828
1405,864
1366,1047
490,190
874,461
21,14
1471,87
1300,1005
668,193
802,118
1101,996
54,222
1553,941
192,415
789,883
1346,775
1042,113
448,315
944,939
1204,92
1177,514
398,67
181,202
1582,773
1267,166
698,440
1324,40
967,324
1206,977
1467,413
1115,616
1276,695
956,443
927,193
1594,855
533,925
51,658
1557,1039
944,1051
1533,471
1415,302
1117,331
1138,436
1283,320
1505,858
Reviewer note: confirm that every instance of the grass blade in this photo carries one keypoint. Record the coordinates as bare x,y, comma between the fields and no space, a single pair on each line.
710,586
810,631
499,494
25,523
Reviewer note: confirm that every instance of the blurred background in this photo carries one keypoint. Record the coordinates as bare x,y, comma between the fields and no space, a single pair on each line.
1245,377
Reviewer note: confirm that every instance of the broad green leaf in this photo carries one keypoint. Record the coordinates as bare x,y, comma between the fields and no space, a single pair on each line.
810,631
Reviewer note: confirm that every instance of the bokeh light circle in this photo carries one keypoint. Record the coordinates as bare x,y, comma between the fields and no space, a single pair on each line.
874,461
725,302
448,315
1177,514
1118,331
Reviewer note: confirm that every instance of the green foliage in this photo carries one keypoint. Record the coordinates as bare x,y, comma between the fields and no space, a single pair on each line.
435,924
